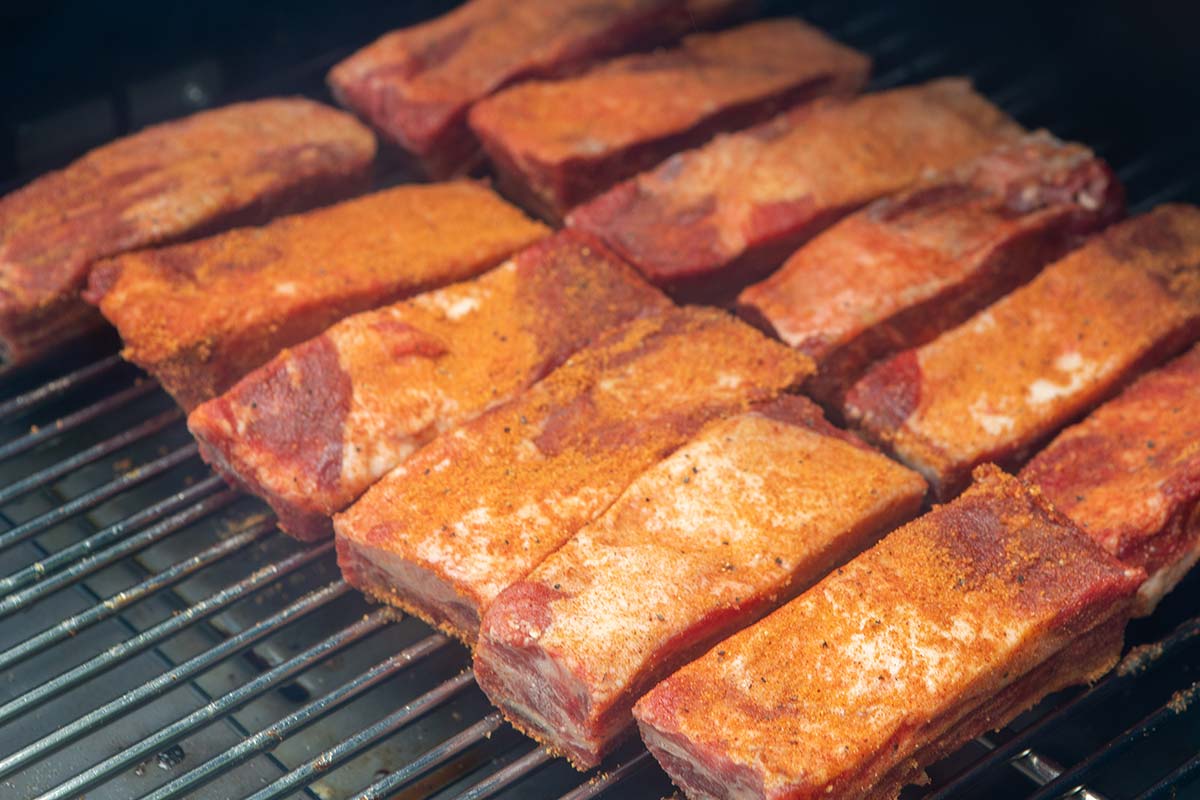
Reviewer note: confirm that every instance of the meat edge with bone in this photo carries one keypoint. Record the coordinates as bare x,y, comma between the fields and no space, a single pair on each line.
479,507
751,511
317,425
949,627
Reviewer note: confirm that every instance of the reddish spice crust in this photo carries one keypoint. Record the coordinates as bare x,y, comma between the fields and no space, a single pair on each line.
474,510
998,386
416,85
709,221
950,626
237,165
556,144
912,265
566,652
411,371
1129,474
293,278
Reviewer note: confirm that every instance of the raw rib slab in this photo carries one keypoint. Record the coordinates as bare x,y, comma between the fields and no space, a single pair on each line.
749,513
709,221
237,165
912,265
313,428
558,143
477,508
1129,475
199,316
997,386
922,641
415,85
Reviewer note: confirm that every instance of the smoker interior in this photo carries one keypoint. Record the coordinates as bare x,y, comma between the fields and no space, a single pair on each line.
159,638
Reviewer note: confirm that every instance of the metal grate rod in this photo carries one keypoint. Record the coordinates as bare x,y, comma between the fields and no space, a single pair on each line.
86,566
72,625
218,708
93,453
173,678
130,479
601,783
39,569
1168,787
922,64
431,759
1065,782
1099,692
269,737
527,764
335,756
85,415
51,389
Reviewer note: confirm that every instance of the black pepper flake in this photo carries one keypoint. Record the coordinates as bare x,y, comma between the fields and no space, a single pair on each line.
778,561
695,470
727,567
1150,443
721,653
558,587
523,420
1021,579
506,429
687,479
427,470
660,617
824,645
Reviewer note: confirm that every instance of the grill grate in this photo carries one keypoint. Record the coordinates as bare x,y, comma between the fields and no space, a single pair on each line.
158,639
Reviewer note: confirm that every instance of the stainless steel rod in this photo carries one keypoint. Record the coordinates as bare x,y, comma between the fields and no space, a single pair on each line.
53,388
60,426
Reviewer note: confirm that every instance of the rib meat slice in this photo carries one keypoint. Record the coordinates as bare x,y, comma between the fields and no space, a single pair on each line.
995,387
949,627
415,85
907,267
237,165
556,144
314,427
1129,475
477,508
199,316
708,221
752,511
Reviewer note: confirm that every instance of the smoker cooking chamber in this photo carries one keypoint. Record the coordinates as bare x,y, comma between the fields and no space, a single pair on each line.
159,638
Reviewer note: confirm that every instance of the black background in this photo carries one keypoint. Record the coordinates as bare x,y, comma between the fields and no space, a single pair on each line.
1120,74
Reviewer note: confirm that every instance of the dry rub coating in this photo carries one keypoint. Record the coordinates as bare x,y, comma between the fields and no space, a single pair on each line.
997,386
949,627
479,507
742,518
558,143
914,264
199,316
310,430
415,85
707,222
1129,475
237,165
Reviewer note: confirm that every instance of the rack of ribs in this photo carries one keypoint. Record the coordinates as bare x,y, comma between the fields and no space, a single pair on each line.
479,507
949,627
749,513
314,427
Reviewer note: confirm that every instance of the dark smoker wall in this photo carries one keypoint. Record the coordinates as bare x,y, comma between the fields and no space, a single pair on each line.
77,72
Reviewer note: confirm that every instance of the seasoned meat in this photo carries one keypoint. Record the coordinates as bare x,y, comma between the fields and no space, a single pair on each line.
749,513
995,387
415,85
477,508
708,221
199,316
314,427
949,627
556,144
912,265
1129,475
237,165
